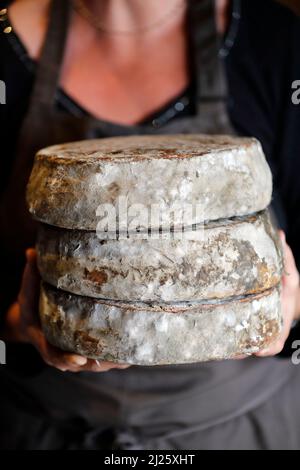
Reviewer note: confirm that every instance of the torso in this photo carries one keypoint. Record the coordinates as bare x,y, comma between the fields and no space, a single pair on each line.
141,73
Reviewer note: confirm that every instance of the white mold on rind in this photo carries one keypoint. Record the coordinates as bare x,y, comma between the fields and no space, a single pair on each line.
159,334
237,258
225,176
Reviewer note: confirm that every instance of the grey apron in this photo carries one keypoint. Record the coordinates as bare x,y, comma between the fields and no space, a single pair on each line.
172,407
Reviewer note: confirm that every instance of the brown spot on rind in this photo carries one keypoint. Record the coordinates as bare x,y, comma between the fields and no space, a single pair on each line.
268,332
98,277
88,343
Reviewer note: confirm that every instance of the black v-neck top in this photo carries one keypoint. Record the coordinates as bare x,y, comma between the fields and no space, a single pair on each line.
262,59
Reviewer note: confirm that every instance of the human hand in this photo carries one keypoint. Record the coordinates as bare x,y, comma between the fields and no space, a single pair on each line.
290,299
23,325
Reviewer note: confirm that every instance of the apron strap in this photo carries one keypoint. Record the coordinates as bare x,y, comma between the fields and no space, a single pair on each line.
34,132
207,64
49,66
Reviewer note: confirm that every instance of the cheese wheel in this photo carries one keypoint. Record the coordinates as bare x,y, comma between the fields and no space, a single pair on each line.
235,257
137,333
134,183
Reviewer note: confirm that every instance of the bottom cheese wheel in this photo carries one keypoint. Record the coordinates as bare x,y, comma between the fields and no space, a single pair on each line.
152,334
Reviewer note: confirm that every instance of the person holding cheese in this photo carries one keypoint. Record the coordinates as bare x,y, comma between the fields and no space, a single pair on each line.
128,63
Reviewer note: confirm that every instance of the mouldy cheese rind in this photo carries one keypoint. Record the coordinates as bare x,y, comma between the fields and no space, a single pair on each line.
160,334
239,258
223,176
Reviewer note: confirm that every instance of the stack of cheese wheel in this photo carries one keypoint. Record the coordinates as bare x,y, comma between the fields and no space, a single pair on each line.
187,286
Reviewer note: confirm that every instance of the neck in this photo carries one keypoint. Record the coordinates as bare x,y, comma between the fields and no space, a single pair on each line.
131,15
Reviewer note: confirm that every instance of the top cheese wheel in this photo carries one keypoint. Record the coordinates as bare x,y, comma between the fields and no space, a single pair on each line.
140,182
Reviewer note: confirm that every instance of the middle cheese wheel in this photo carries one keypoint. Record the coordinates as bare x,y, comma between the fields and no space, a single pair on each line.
234,257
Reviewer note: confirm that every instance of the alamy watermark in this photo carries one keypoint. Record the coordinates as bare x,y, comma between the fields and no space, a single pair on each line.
124,220
296,354
2,92
296,92
2,353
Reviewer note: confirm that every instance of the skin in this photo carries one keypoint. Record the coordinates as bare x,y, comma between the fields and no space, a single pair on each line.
290,299
135,96
115,57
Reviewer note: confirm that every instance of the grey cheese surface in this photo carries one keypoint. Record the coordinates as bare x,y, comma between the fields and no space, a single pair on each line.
224,176
160,334
236,257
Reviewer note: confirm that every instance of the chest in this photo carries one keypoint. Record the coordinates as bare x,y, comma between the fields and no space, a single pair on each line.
125,81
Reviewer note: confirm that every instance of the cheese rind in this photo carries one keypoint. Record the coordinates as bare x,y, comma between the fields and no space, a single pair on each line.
159,334
72,185
239,257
